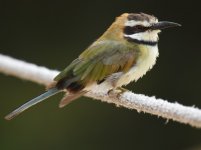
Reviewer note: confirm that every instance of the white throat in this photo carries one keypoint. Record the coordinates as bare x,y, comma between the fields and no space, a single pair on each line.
149,36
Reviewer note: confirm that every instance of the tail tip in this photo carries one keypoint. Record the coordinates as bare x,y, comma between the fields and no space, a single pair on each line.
11,115
61,105
8,117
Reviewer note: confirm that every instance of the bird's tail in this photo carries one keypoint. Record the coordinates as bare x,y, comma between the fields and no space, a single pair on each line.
32,102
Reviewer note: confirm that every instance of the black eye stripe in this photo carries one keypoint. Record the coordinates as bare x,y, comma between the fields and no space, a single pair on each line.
135,29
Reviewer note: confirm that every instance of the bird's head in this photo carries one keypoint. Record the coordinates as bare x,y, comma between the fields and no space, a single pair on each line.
140,28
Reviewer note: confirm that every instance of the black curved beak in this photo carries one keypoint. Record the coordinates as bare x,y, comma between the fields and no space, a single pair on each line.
163,25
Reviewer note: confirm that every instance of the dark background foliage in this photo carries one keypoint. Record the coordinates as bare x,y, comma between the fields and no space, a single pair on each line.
53,33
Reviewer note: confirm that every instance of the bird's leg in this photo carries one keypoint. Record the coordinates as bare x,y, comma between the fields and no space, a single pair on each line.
116,92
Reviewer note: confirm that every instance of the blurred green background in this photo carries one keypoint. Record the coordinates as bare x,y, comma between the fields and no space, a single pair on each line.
53,33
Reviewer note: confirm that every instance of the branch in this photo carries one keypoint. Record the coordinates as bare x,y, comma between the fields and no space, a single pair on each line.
159,107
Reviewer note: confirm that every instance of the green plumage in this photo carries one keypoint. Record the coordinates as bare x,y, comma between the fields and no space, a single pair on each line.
97,62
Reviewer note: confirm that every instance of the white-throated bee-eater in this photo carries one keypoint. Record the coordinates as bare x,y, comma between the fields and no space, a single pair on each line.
124,53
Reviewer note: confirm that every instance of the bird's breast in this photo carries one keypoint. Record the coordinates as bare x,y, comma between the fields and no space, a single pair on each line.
145,61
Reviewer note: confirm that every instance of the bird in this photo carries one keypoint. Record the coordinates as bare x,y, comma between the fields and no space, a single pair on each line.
122,54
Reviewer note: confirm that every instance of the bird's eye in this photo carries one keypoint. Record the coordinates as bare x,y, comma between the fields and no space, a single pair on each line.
135,29
139,28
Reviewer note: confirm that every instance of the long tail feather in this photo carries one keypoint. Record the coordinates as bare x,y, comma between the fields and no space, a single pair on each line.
32,102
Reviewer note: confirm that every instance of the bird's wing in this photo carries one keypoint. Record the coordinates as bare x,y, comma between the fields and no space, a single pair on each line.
98,62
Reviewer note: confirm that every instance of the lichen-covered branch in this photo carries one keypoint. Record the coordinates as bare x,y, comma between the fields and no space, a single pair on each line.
159,107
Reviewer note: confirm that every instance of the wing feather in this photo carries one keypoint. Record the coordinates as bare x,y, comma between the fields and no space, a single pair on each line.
99,61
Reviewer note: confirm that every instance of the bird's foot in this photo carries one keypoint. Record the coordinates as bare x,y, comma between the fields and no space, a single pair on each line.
117,92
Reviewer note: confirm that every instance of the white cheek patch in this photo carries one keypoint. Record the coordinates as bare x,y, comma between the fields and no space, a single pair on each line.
145,36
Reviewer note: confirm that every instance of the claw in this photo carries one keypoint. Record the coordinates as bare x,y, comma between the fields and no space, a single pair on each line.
117,92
